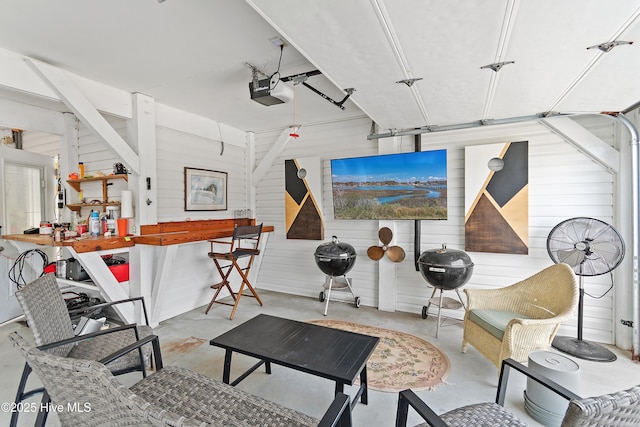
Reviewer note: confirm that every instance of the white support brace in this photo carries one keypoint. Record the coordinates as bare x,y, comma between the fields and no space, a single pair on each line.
387,270
273,153
68,149
585,141
165,263
80,105
142,135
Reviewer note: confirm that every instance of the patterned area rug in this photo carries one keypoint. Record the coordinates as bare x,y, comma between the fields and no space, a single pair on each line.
400,360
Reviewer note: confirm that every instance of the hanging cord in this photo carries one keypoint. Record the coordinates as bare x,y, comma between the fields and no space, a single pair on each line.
277,70
605,292
15,272
294,132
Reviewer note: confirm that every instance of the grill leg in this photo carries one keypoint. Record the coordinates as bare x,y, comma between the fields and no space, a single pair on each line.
460,298
439,309
326,305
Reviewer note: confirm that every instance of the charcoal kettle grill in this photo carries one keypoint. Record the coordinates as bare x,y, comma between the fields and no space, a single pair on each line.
335,259
444,269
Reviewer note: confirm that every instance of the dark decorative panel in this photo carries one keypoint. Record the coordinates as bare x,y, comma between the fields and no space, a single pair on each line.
303,217
308,224
513,177
491,232
294,185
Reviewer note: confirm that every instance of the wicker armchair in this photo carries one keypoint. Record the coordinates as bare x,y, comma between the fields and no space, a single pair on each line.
50,321
513,321
612,410
86,393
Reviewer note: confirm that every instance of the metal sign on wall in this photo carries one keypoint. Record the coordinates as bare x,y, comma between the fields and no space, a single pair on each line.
497,198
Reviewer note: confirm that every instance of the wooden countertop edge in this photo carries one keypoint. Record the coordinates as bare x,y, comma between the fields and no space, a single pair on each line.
106,243
178,237
38,239
87,244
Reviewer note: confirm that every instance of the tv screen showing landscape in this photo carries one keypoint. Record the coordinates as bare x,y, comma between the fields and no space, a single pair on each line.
392,186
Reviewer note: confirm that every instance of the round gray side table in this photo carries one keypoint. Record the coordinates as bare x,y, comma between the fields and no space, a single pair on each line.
541,403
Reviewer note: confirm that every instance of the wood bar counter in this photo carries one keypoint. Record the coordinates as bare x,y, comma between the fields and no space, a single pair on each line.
174,233
80,245
157,244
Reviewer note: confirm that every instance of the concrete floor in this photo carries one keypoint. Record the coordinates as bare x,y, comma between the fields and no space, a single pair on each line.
472,379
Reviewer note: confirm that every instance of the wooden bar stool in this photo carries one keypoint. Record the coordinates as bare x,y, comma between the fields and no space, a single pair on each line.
245,243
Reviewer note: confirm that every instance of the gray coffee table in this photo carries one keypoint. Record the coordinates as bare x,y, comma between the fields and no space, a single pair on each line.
337,355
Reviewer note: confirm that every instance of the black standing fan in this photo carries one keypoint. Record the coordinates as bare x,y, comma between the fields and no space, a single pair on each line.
591,247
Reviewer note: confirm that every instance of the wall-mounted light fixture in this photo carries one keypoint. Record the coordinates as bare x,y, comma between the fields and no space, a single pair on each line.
496,164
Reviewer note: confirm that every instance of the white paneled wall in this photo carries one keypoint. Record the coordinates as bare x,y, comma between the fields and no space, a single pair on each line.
41,143
289,265
94,152
563,183
177,150
98,157
193,272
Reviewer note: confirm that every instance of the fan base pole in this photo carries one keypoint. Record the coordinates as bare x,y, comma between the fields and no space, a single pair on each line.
583,349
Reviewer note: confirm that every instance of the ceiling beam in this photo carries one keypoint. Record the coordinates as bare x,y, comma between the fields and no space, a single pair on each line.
28,117
80,105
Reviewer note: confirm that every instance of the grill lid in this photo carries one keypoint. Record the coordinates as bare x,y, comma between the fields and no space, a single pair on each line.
445,258
335,250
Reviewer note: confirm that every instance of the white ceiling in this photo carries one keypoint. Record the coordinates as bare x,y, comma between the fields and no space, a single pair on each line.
191,54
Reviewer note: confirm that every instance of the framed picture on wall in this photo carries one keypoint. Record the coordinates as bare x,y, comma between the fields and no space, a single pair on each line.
205,190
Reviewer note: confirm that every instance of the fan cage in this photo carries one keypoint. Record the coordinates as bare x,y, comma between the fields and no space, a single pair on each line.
591,247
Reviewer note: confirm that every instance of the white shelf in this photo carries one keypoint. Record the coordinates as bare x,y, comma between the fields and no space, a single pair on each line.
75,284
83,284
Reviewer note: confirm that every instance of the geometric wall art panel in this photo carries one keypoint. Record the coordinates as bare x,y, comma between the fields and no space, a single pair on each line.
497,198
303,213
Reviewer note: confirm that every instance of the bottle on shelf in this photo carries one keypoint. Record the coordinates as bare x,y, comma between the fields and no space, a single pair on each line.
74,221
94,224
104,227
80,170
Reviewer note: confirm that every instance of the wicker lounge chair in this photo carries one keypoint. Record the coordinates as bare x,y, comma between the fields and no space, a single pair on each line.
87,394
513,321
49,320
611,410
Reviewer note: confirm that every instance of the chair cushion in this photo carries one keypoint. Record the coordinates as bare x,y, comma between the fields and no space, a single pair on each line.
480,414
619,408
205,399
494,321
104,345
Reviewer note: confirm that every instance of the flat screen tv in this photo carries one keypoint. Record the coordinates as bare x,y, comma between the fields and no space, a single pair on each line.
391,186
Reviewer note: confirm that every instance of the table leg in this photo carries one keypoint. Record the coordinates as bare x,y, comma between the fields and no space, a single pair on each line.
267,367
362,392
339,387
363,385
226,373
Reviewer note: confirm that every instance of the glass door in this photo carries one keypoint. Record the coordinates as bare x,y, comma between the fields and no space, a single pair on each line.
24,196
